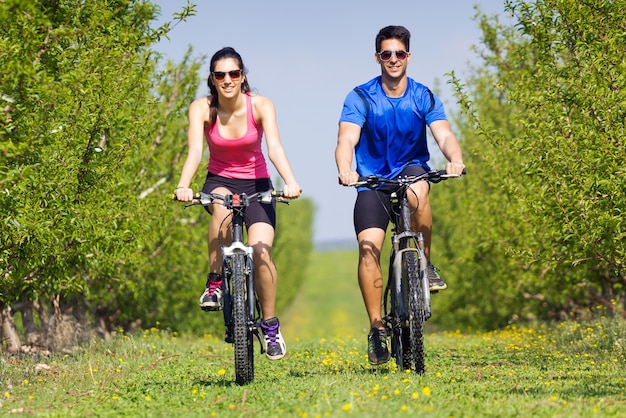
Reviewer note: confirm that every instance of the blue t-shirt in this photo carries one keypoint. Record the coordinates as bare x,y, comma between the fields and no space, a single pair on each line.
393,129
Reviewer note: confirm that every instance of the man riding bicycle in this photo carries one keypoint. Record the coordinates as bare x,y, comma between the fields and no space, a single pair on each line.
383,125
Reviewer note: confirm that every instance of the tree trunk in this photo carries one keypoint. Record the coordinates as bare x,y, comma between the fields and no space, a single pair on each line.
10,338
28,321
44,319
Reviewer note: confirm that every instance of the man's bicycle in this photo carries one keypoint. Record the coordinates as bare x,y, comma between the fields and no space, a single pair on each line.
242,312
406,300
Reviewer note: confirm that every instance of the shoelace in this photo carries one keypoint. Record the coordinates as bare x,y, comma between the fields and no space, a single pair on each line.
213,286
432,270
381,338
270,333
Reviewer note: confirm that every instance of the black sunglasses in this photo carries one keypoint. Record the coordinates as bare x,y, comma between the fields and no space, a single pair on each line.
386,55
221,75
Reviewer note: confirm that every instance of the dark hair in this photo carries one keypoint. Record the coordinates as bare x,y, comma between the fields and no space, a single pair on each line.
393,32
226,52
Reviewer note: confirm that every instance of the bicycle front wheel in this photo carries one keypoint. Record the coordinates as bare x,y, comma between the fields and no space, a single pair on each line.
244,349
414,359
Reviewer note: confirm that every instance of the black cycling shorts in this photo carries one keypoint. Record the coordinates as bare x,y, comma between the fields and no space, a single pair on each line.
372,208
257,211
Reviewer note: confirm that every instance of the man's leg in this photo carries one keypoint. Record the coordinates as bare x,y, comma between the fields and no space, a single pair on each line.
371,283
369,273
422,221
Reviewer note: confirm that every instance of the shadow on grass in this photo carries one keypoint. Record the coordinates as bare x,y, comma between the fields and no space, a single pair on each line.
572,388
220,382
359,370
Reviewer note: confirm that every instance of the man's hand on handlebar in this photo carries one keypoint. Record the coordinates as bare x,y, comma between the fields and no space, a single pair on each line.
348,177
455,168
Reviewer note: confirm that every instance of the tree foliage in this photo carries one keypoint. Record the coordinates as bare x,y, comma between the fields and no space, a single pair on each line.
542,121
92,137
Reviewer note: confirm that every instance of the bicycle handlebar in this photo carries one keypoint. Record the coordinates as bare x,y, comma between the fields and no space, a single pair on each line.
434,176
233,200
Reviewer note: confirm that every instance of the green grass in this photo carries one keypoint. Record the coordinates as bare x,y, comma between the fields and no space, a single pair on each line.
561,370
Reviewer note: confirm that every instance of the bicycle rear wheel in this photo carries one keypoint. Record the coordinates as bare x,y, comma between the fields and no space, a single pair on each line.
244,349
414,332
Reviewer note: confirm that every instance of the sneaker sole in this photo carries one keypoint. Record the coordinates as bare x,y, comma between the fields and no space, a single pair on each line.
434,289
274,358
379,362
210,308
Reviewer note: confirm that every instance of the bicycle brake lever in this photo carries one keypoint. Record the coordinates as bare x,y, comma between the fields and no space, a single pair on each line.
266,197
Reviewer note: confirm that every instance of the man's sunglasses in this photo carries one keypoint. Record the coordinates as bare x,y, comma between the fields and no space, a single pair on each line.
221,75
386,55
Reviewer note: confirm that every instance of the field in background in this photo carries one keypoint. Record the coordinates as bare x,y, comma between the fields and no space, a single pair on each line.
329,305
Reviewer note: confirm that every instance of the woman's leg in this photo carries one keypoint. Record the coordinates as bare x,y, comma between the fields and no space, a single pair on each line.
219,232
261,239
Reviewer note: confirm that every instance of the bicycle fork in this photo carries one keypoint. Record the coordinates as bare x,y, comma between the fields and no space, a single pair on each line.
423,262
238,247
398,261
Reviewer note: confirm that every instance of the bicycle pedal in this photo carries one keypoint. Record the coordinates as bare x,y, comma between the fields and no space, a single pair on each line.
258,337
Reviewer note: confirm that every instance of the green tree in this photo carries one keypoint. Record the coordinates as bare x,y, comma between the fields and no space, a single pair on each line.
77,133
92,137
542,124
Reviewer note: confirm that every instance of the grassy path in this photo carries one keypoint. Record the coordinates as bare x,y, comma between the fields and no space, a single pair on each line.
562,370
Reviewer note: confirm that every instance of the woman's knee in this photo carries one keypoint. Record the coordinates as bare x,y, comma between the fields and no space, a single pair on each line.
262,252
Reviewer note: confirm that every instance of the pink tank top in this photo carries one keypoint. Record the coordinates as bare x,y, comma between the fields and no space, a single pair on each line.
239,158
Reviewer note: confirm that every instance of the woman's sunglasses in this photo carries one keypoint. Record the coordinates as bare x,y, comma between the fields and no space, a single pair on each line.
221,75
386,55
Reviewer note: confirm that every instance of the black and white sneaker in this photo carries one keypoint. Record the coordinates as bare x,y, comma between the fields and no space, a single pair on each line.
273,342
377,347
435,282
211,299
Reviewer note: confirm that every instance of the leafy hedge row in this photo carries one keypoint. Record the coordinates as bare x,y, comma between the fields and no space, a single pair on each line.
92,140
537,227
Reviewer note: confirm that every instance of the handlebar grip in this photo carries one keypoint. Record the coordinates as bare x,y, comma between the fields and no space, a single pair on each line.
443,172
195,196
279,194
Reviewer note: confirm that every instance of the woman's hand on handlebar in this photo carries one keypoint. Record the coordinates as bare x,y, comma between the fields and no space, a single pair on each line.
291,191
183,194
348,177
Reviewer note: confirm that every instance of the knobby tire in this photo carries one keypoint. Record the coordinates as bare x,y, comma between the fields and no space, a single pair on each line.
414,333
244,350
397,343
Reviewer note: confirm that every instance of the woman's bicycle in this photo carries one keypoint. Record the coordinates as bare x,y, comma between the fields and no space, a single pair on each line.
242,312
406,300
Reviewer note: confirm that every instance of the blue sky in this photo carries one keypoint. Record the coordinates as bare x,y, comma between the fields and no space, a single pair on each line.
307,55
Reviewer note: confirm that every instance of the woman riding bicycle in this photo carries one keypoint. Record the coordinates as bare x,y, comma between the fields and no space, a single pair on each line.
383,124
233,120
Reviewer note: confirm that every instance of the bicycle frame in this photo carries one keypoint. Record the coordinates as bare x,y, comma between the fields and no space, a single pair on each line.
238,203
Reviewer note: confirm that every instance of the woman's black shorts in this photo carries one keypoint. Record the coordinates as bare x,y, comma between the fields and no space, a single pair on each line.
257,211
372,208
